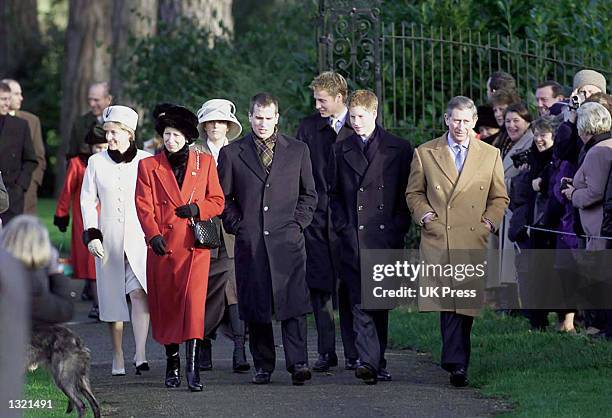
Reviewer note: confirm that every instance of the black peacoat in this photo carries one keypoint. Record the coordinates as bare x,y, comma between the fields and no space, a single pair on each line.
367,199
17,163
267,214
321,241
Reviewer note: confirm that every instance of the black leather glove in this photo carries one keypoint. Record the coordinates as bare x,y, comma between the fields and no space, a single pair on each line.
61,222
187,211
158,244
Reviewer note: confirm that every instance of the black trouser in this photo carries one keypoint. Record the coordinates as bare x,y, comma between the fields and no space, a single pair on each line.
371,336
346,323
261,343
323,311
218,275
456,344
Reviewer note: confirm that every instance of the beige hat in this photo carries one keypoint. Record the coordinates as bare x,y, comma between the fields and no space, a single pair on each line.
223,110
121,114
589,77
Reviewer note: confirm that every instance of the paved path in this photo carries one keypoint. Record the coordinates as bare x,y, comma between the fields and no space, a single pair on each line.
419,387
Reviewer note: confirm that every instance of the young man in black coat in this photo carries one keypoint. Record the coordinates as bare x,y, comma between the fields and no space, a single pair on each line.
270,199
17,156
320,131
369,175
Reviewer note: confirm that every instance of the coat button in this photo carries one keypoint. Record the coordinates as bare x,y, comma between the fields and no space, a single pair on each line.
481,187
360,207
164,202
437,187
120,220
471,228
449,206
265,208
361,189
381,206
381,227
170,226
382,186
191,248
448,227
170,251
267,184
266,233
361,227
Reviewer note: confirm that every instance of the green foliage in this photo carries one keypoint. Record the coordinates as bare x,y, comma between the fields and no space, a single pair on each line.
543,373
186,65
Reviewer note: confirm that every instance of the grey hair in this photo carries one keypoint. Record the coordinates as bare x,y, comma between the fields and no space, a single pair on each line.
593,119
27,240
461,103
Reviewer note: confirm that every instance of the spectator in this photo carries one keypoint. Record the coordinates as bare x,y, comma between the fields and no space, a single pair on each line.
499,102
547,94
19,159
587,191
31,196
500,80
486,125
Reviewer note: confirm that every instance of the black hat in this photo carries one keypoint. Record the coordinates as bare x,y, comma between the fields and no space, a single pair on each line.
486,117
178,117
95,135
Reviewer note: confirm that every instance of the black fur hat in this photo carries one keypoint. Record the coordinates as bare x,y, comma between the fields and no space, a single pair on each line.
486,117
178,117
95,135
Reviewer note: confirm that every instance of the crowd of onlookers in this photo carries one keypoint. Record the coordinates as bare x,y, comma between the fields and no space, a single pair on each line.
558,175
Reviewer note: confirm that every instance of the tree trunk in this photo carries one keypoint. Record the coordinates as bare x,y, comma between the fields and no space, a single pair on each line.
19,36
215,15
132,20
87,60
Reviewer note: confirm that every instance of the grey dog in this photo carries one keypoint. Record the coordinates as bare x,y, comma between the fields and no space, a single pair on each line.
63,353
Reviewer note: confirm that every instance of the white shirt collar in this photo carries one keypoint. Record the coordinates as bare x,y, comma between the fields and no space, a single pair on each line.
452,143
214,150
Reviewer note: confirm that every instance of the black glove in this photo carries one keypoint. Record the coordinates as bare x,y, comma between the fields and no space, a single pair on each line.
61,222
158,244
187,211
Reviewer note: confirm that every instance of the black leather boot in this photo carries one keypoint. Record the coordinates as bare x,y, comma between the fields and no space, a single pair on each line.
193,365
173,366
206,354
239,361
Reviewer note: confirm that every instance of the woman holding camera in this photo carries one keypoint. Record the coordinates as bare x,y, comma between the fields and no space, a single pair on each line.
175,188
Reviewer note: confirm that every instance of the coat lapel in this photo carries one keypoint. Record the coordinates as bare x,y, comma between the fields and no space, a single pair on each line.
346,131
382,155
168,181
280,149
443,159
353,156
470,166
249,156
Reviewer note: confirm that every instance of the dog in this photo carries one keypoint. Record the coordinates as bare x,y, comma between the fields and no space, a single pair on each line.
63,353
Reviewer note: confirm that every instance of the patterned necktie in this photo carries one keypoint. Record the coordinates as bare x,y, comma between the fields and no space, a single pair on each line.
265,149
459,157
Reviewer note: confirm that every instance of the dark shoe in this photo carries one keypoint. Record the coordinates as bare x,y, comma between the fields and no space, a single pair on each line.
239,361
300,374
192,368
384,375
261,377
94,313
351,363
458,378
366,373
142,367
173,375
206,355
324,362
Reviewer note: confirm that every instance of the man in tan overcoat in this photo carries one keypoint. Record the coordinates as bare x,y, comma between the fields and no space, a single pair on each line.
456,193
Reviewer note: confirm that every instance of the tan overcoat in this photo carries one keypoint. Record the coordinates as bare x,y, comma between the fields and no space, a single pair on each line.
460,202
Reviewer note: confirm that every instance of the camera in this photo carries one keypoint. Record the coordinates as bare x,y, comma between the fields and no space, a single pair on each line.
521,158
565,183
575,101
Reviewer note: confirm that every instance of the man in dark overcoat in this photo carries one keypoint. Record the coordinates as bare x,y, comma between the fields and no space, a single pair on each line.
267,180
18,159
320,131
369,174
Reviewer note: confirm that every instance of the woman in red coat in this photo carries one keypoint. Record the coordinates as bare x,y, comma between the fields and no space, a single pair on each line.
83,263
172,187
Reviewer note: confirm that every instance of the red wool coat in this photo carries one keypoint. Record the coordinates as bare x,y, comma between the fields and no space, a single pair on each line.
82,261
176,282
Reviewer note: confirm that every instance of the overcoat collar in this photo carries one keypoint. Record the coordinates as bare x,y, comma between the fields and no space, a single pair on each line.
346,131
166,178
249,156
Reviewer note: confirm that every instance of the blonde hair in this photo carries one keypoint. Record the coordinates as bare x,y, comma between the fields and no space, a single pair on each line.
121,126
27,239
365,99
332,82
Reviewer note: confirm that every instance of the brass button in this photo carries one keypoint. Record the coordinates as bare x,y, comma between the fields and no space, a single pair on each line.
448,227
437,187
471,228
481,187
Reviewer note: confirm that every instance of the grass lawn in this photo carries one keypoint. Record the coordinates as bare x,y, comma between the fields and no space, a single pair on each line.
46,209
542,374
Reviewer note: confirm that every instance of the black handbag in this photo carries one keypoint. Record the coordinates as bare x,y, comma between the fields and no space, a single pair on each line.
205,233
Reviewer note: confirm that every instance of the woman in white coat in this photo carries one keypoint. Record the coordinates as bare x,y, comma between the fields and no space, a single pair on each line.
115,237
